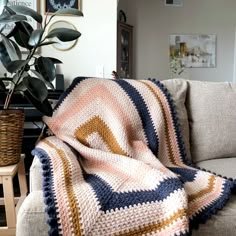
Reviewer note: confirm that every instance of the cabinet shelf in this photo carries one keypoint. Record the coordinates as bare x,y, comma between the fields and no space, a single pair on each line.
124,49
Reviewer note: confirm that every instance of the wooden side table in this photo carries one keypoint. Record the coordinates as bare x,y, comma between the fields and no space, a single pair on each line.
11,202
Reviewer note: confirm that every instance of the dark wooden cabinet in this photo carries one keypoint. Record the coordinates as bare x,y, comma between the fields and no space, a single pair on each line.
124,50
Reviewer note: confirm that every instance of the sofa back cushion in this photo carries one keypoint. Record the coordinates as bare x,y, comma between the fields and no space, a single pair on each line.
211,108
178,90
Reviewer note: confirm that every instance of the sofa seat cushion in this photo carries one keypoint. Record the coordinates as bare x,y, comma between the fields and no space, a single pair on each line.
31,219
211,110
221,166
223,223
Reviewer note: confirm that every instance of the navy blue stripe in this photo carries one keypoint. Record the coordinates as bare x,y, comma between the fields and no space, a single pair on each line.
76,81
211,209
174,116
108,199
48,191
143,112
185,174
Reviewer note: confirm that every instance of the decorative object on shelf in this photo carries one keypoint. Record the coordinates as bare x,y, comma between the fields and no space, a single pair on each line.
52,6
193,50
122,16
60,45
174,3
115,75
32,74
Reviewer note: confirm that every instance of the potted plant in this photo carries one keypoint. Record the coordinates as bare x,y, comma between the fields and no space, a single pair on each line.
31,74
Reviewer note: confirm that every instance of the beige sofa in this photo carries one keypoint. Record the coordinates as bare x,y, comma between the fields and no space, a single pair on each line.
207,116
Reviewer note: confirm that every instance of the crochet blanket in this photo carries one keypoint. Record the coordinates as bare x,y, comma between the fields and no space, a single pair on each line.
116,164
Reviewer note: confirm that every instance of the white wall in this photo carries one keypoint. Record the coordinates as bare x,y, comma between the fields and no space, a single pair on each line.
153,22
96,46
122,5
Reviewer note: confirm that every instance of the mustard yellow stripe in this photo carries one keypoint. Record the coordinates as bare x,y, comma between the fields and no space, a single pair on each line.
97,125
205,191
180,214
167,131
73,206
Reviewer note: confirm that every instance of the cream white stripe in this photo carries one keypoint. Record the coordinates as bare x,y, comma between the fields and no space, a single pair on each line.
144,214
61,202
194,186
95,141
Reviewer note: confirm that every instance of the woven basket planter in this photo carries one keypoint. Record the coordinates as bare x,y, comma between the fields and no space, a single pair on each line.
11,134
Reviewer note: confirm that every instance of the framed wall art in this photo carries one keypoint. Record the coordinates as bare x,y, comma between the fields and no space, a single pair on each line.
59,45
52,6
193,50
33,4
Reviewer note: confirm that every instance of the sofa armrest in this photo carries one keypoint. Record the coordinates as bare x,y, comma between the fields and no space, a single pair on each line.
35,175
31,217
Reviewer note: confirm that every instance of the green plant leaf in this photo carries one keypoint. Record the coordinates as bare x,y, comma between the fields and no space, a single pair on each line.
44,107
9,47
38,75
64,34
19,25
18,51
35,37
27,11
12,32
14,66
47,43
25,27
4,57
48,83
36,88
21,87
12,19
46,68
55,60
9,10
68,11
23,33
16,79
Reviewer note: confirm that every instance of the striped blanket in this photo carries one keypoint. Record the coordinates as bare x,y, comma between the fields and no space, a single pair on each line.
116,164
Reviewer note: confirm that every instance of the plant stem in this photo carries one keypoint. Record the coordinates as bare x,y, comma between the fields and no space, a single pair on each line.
10,93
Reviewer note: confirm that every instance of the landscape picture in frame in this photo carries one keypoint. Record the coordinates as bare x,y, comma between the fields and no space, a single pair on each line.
52,6
193,50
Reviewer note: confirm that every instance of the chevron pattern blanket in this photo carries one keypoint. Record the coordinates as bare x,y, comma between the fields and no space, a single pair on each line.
116,164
